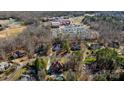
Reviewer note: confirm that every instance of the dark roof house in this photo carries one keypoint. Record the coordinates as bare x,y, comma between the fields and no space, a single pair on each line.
57,47
17,54
40,50
56,68
75,46
114,44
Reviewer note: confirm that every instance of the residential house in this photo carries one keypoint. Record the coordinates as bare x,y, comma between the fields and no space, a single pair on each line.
65,22
17,54
3,66
57,47
95,46
41,49
56,68
75,46
114,44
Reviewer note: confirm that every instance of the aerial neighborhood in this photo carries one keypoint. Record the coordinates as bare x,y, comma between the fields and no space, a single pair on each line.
60,46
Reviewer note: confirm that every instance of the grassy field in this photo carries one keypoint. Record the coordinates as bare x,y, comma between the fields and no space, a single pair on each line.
19,73
77,20
12,31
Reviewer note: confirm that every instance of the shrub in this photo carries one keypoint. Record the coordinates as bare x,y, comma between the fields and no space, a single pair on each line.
89,60
106,54
101,78
40,63
120,60
66,46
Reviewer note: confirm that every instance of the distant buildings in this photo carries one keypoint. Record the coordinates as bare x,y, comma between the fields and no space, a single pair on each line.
90,35
73,28
64,22
95,46
60,22
68,30
55,24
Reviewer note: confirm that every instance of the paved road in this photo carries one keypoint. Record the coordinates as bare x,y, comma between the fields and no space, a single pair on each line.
48,64
10,77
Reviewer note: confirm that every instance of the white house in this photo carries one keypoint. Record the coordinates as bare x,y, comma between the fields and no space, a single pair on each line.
55,24
3,66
